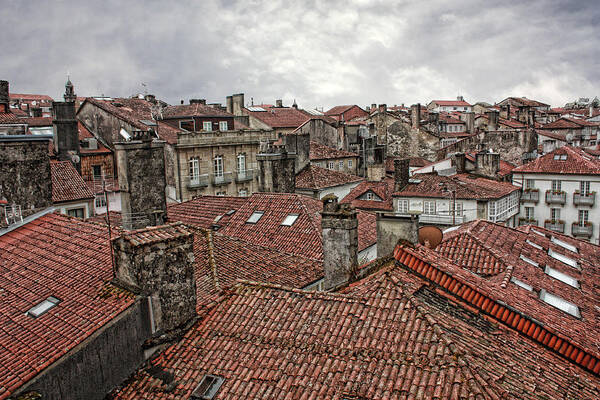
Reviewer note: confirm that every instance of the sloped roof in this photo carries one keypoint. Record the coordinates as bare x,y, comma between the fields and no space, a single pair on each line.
38,260
319,151
193,110
30,97
577,162
38,121
523,101
273,342
415,162
383,189
203,210
338,110
67,184
460,103
569,123
466,187
314,177
10,118
281,117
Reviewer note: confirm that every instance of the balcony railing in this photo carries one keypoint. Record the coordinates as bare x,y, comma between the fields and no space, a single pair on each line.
532,195
556,226
441,219
586,230
244,176
195,182
556,197
584,199
527,221
221,179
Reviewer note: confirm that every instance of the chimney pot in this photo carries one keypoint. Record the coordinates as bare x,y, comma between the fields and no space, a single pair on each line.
401,174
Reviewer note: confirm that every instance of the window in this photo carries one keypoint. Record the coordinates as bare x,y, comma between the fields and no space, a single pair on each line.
529,184
429,207
529,213
403,206
564,259
521,284
100,201
560,303
256,215
207,388
243,193
207,125
289,220
537,246
194,169
563,244
584,188
555,214
218,166
223,125
330,165
561,157
76,212
187,125
241,162
221,193
97,171
556,274
341,164
43,307
529,260
349,163
369,195
458,209
584,216
556,186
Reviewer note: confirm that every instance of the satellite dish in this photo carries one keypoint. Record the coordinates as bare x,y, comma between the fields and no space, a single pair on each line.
431,234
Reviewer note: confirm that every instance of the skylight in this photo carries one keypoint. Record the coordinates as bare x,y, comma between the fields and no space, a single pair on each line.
529,260
560,303
564,245
564,259
43,307
521,284
556,274
289,220
207,388
537,246
538,232
561,157
256,215
124,134
256,109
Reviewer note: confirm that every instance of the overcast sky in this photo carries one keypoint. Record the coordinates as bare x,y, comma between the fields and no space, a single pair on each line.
321,53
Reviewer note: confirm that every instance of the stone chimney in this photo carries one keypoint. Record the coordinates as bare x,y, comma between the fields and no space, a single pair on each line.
150,98
229,104
460,98
373,107
460,162
279,103
487,164
382,108
159,262
238,103
298,145
276,169
66,132
393,227
493,118
141,172
401,174
415,116
340,242
4,97
469,118
198,101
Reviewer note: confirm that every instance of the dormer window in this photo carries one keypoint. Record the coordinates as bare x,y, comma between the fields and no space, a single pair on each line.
370,196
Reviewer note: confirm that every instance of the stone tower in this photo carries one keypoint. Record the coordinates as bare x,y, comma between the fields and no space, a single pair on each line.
66,132
69,95
276,169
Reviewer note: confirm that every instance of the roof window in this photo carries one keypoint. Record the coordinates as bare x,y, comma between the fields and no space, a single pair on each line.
207,388
529,260
560,157
289,220
556,274
537,246
538,232
43,307
230,212
563,244
560,303
521,284
564,259
256,215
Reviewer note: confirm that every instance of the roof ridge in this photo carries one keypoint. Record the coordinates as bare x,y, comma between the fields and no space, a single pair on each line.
240,283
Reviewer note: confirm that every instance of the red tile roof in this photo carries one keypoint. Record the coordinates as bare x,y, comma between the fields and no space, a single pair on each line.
314,177
30,97
569,123
506,168
414,162
58,256
193,110
273,342
155,234
577,162
338,110
466,186
303,238
523,101
319,151
38,121
383,189
203,210
10,118
451,103
281,117
67,184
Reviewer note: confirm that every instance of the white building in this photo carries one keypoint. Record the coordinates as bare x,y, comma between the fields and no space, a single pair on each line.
459,105
559,192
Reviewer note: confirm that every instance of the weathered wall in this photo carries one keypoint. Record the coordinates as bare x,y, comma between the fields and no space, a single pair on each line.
391,228
102,123
91,159
101,362
25,177
66,133
276,172
299,144
323,133
406,142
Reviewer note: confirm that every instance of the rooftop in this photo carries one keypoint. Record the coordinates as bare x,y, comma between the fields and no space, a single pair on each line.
203,211
569,123
459,103
193,110
319,151
280,117
564,160
382,189
67,184
314,177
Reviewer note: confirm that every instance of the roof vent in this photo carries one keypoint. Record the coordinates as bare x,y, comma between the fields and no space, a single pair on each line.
208,387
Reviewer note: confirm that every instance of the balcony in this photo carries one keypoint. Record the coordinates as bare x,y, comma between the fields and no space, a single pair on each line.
221,179
441,219
244,176
532,195
556,226
584,199
582,231
527,221
556,197
196,182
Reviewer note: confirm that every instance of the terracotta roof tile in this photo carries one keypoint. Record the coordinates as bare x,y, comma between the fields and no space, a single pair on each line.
466,186
577,162
67,184
156,234
30,97
383,189
451,103
569,123
319,151
314,177
38,121
10,118
193,110
203,210
36,261
281,117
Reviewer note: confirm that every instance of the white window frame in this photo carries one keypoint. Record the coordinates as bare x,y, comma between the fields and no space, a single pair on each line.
556,185
330,165
100,201
194,168
243,193
370,196
349,163
428,206
584,188
241,163
207,126
223,126
583,217
341,164
218,167
555,214
403,205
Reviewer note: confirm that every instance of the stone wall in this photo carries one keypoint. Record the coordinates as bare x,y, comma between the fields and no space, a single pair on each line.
25,177
102,123
276,171
407,142
391,228
321,132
